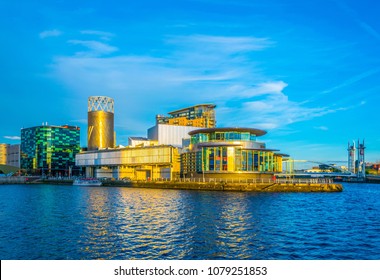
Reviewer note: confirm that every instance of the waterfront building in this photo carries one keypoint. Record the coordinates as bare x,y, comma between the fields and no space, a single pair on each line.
202,115
49,149
136,163
192,148
13,155
229,152
100,118
3,153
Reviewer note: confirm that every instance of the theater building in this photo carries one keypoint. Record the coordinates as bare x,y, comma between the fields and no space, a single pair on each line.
229,152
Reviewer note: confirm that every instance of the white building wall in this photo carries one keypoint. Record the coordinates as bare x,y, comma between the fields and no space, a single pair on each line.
13,155
170,134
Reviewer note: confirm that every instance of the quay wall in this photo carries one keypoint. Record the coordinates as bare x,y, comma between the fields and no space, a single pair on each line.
243,187
256,186
12,180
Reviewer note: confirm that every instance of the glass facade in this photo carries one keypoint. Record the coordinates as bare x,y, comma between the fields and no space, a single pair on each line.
49,150
234,159
202,115
229,150
217,136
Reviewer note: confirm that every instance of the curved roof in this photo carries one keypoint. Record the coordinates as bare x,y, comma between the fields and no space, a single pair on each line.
257,132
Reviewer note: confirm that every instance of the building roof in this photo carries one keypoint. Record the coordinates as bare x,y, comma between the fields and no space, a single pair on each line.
139,138
257,132
209,105
54,126
6,169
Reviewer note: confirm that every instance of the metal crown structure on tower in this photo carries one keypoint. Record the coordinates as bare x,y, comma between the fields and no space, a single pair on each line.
100,103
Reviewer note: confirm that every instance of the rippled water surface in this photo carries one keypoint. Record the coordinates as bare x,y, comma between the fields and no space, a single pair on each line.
65,222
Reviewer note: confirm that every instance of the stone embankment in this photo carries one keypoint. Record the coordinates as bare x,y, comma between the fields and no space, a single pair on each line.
243,187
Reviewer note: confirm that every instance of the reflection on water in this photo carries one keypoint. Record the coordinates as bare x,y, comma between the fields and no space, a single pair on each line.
64,222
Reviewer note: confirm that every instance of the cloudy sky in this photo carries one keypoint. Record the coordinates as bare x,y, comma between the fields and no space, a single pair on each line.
308,72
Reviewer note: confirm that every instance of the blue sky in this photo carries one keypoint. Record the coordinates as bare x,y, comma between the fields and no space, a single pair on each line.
308,72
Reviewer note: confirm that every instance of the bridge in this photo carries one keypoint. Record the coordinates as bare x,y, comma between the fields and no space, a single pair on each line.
290,170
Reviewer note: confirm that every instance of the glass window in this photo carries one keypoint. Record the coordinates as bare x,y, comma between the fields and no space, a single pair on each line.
245,136
203,137
224,158
255,161
211,159
249,161
244,160
238,159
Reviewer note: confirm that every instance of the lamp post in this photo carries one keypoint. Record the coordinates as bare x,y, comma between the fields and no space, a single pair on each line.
203,167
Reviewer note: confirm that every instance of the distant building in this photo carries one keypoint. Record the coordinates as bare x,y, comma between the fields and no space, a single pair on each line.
13,155
229,152
202,115
49,150
10,154
3,153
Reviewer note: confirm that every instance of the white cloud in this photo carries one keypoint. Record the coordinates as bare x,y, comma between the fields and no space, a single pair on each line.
95,48
103,35
321,128
352,13
353,80
194,69
81,121
50,33
268,107
369,29
12,137
221,43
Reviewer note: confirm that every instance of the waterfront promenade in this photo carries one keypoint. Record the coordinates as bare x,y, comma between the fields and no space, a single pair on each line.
210,184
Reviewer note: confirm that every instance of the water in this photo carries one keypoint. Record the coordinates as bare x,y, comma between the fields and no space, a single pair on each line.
65,222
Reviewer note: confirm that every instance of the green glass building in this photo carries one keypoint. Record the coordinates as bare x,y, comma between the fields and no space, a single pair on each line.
50,150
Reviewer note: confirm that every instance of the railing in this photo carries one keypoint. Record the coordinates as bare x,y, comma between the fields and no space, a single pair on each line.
250,181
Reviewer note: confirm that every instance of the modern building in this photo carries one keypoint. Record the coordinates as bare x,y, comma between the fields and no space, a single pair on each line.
136,163
166,134
3,153
50,150
202,115
184,144
100,134
13,155
229,152
173,129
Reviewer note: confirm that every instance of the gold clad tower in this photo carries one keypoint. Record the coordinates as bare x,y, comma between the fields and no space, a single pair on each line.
100,133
